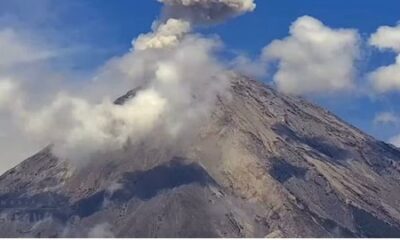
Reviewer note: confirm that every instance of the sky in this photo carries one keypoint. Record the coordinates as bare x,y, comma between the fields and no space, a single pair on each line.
82,36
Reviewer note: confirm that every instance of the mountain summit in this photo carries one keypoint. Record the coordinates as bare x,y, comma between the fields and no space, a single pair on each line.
263,165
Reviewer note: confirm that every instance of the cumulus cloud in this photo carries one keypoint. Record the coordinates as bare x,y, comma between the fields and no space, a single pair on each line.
314,58
386,37
206,11
386,78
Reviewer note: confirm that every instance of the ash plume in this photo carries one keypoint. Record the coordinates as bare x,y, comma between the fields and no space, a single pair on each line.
165,35
177,73
206,11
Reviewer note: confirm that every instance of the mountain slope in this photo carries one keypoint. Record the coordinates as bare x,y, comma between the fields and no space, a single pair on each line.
264,164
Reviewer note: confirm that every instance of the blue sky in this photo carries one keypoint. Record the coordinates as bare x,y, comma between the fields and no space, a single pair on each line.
101,29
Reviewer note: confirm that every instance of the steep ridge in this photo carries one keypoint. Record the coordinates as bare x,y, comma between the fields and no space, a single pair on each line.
264,165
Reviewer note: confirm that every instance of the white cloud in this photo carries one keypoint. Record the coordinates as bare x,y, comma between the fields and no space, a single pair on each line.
7,92
16,50
386,78
392,119
386,118
314,58
20,62
257,68
386,37
395,141
15,146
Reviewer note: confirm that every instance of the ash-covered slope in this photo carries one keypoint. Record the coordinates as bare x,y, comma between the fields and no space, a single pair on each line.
264,165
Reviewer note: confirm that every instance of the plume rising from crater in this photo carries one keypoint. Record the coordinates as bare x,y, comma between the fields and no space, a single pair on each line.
206,11
177,75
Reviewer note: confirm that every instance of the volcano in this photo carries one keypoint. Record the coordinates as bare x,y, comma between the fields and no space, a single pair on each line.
263,165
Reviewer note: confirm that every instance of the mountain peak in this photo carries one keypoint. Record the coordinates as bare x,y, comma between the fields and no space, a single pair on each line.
263,164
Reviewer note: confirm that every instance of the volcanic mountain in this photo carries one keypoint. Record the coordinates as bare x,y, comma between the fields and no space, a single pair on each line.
263,165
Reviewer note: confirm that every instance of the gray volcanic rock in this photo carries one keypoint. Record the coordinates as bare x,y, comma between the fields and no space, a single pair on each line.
264,165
